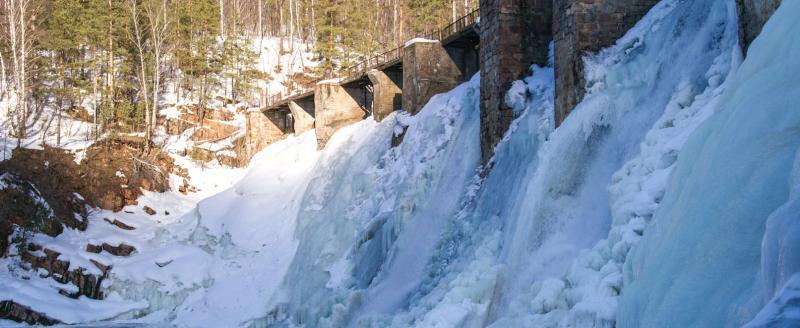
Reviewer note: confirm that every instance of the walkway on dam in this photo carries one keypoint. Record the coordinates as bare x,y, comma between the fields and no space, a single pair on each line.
461,33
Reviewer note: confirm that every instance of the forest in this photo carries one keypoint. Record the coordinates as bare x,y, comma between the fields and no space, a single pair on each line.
111,61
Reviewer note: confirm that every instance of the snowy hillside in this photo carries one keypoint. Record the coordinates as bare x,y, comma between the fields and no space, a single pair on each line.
667,196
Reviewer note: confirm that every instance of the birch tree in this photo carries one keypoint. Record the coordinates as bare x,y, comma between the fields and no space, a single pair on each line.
159,21
19,16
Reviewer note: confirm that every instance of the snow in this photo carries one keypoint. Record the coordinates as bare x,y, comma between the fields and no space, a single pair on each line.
331,81
285,55
76,135
419,40
724,237
42,296
663,198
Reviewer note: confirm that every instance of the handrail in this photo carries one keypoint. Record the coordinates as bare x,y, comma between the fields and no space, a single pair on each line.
361,68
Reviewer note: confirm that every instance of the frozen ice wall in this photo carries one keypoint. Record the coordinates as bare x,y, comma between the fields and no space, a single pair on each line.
372,214
726,236
412,236
362,234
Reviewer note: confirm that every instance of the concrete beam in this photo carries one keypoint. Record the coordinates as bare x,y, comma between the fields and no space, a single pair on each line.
427,70
335,108
388,96
302,116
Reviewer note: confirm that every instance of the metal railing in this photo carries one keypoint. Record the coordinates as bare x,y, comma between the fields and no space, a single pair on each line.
358,70
292,91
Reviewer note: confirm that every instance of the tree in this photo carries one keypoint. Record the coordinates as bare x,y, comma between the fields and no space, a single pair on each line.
196,52
150,32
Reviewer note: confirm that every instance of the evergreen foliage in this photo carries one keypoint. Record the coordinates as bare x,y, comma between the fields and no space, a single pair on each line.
107,57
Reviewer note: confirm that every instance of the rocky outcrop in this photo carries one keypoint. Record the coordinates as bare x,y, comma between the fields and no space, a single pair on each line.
45,190
11,310
24,206
58,270
753,14
110,175
119,250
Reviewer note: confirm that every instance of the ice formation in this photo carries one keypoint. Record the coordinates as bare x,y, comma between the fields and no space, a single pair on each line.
668,195
725,237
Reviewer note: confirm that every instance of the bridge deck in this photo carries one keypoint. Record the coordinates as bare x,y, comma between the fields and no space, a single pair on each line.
463,30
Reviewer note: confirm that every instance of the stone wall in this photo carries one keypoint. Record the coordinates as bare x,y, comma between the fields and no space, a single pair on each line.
514,35
427,70
585,26
301,115
388,95
753,14
262,130
335,108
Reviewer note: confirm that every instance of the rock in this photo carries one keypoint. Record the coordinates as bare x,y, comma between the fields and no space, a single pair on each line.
149,210
101,266
11,310
94,248
88,284
119,224
120,250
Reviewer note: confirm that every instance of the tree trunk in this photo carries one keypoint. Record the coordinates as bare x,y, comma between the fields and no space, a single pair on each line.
110,73
222,18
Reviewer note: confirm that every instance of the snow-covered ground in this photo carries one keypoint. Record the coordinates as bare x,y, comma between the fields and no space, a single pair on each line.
666,198
42,295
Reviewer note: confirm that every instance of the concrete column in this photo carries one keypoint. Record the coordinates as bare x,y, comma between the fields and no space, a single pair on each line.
514,34
581,27
303,121
427,70
387,94
262,130
753,14
335,108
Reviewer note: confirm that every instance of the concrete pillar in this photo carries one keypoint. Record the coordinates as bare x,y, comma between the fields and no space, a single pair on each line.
427,70
466,58
262,129
334,108
514,34
387,94
753,14
303,121
581,27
